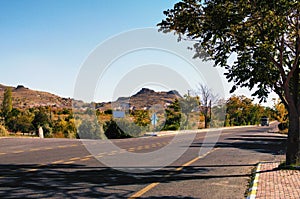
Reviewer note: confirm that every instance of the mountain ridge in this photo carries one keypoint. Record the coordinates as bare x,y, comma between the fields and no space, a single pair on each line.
24,97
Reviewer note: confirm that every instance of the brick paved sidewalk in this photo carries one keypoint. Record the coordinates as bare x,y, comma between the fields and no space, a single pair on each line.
275,184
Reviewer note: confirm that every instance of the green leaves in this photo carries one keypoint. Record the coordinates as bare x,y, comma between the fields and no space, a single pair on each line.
260,34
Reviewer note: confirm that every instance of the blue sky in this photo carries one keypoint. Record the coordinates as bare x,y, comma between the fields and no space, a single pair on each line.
44,43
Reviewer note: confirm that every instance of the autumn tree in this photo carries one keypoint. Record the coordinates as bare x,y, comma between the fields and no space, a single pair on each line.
263,39
281,114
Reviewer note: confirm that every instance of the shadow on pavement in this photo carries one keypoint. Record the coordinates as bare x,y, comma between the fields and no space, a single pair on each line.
271,144
78,181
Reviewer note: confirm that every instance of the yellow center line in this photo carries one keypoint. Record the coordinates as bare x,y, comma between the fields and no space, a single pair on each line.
70,162
154,184
144,190
34,149
18,151
76,158
57,162
85,159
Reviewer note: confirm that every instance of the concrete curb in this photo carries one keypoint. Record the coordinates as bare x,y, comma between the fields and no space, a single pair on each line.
253,188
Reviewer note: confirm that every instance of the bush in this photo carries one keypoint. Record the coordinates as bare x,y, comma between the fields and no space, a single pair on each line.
283,126
90,130
113,131
3,131
171,127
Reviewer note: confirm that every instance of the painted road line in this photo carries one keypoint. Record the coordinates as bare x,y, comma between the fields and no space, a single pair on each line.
85,159
154,184
195,159
57,162
35,149
21,151
69,162
253,188
144,190
76,158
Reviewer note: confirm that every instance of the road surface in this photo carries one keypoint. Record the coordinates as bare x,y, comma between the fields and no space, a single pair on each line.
61,168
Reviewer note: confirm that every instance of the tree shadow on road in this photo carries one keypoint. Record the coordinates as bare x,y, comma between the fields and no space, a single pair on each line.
271,144
79,181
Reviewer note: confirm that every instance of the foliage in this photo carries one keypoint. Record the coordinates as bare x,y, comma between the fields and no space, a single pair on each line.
280,112
3,131
173,115
242,111
6,107
108,112
281,115
113,131
262,37
41,118
188,105
22,122
65,128
141,117
90,130
207,99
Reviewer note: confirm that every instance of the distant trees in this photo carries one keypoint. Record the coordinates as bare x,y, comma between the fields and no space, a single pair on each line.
184,113
242,111
281,115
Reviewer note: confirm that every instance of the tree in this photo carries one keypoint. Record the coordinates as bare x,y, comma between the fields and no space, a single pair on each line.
22,122
281,115
261,36
141,117
188,104
173,116
207,98
41,118
90,130
242,111
7,103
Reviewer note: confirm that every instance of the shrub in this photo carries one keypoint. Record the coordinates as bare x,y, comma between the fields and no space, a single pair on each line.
3,131
113,131
283,126
90,130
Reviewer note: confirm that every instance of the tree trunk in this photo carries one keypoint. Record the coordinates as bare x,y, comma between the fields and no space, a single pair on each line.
293,145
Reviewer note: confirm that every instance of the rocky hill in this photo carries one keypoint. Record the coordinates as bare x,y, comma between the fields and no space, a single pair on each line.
144,99
26,98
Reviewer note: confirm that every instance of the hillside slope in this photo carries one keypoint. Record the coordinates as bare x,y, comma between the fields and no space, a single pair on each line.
26,98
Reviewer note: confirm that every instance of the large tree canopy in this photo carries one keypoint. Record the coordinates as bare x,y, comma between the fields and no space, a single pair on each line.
262,38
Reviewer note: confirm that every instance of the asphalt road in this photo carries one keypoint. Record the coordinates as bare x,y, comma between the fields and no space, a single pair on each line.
192,165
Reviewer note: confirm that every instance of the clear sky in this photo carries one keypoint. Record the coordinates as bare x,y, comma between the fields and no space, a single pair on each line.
44,43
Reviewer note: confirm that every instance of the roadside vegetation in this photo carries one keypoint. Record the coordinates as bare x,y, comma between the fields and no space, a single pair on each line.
189,112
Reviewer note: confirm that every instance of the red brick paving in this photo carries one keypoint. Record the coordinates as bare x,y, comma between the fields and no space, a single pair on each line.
277,184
